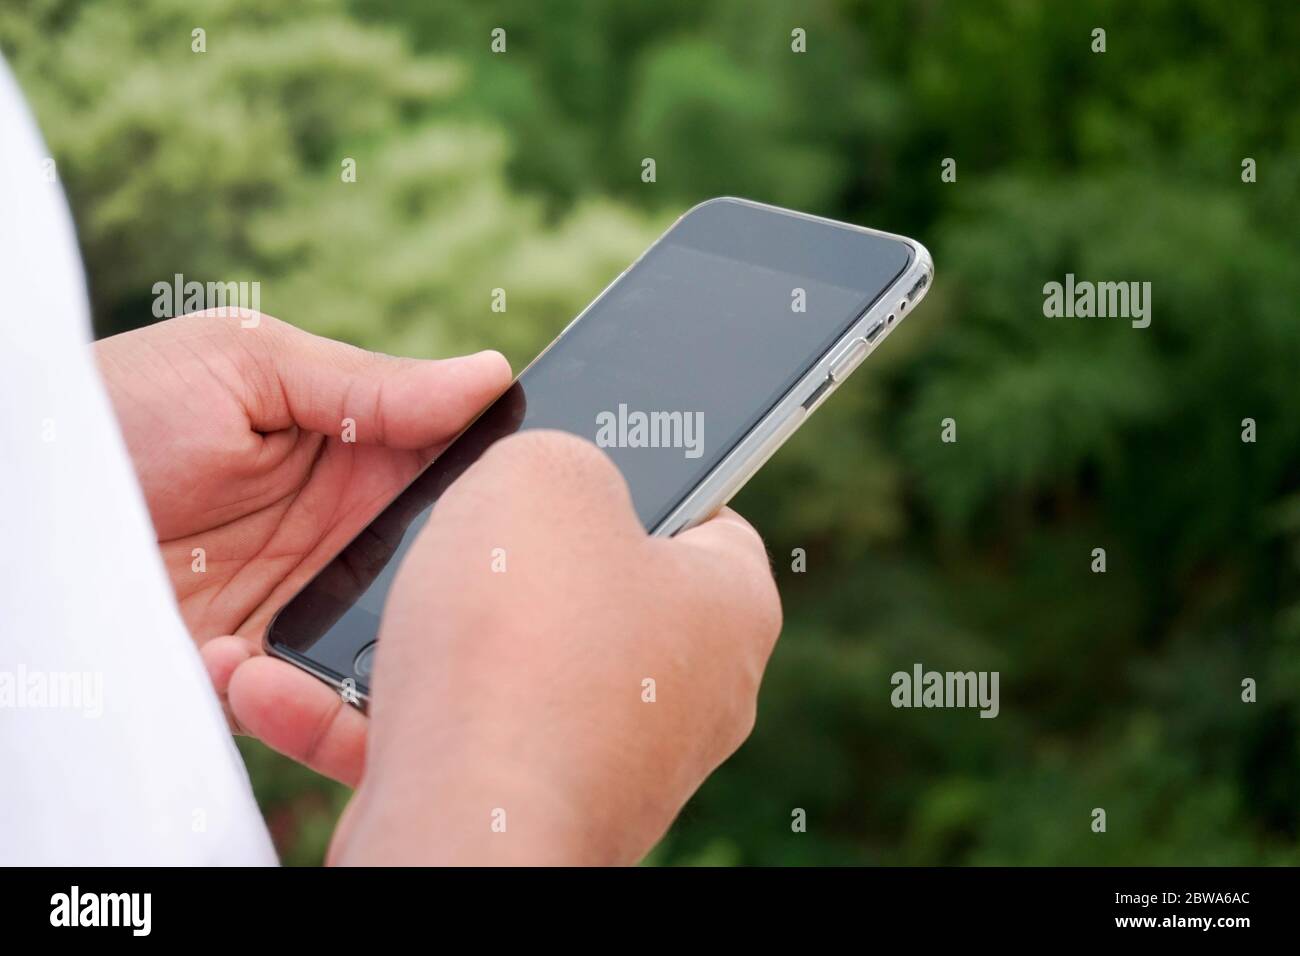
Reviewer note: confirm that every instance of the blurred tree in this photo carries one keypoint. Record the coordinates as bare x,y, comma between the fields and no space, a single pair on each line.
228,164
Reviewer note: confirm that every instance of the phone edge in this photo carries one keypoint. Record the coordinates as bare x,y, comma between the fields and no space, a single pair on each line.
784,419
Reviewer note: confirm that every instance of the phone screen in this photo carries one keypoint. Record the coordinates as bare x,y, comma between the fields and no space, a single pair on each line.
667,371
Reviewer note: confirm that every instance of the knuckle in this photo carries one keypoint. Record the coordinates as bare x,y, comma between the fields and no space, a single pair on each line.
769,616
737,724
757,597
740,589
745,720
222,317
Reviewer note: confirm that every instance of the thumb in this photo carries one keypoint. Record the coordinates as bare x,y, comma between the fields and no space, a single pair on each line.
323,386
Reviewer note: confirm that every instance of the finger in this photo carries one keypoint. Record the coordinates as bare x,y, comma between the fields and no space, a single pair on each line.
342,832
295,714
222,656
727,548
726,534
552,477
317,384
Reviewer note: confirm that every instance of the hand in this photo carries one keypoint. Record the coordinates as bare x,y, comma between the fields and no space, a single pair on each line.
237,432
527,691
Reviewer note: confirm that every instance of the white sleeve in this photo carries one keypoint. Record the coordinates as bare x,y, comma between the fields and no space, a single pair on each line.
113,748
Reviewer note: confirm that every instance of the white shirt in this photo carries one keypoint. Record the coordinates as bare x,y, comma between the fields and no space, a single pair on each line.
113,748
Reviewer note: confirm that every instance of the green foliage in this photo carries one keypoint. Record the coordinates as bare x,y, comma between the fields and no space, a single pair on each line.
228,164
521,171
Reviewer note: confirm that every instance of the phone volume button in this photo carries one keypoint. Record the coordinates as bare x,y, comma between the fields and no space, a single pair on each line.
813,400
849,359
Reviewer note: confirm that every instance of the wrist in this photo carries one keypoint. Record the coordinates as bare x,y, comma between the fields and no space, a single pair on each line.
472,816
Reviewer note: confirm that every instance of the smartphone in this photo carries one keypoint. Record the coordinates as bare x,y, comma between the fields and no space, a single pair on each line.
690,370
